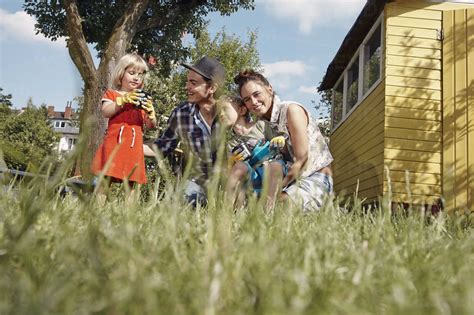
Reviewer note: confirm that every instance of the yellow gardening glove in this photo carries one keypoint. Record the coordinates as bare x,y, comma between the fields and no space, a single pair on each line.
149,109
277,142
234,158
128,98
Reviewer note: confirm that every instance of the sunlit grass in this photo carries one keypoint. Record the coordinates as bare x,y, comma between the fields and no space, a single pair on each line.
158,256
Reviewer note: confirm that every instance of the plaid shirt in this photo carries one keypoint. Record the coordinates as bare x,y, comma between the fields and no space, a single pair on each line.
186,125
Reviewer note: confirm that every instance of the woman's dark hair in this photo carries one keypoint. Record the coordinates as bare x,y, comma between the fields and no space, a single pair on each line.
249,75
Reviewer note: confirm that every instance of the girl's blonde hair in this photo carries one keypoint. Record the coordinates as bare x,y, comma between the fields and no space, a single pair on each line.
128,60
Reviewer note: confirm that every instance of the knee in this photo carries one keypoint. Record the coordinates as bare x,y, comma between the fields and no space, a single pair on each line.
195,194
275,169
239,170
195,199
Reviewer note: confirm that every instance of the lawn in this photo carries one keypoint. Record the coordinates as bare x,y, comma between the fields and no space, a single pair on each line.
72,256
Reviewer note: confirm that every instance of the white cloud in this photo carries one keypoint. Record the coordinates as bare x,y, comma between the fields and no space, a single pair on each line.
284,68
283,74
308,89
20,26
309,13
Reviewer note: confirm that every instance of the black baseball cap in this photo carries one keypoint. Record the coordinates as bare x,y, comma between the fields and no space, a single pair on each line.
210,68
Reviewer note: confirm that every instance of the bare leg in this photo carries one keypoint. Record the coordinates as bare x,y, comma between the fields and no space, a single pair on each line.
132,192
237,175
274,177
102,190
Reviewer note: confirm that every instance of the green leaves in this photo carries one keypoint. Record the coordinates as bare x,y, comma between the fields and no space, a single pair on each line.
159,29
5,99
26,138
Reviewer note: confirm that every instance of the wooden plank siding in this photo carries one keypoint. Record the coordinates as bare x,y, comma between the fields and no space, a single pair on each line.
357,147
418,5
458,109
413,104
470,108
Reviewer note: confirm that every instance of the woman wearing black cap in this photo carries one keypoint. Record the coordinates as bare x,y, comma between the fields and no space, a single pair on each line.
193,123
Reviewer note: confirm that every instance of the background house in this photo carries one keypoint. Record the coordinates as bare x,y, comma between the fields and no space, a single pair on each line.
65,123
403,103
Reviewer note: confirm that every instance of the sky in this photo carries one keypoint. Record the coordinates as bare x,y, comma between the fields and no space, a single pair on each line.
297,39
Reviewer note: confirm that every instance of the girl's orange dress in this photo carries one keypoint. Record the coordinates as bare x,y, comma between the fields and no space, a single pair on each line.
122,144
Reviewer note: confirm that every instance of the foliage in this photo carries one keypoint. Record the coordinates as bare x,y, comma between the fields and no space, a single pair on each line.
73,255
5,99
5,105
324,109
27,138
77,113
372,70
159,29
352,94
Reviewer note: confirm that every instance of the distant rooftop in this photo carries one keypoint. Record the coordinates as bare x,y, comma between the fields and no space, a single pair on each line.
67,114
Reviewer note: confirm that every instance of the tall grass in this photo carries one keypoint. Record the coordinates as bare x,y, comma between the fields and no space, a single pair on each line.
63,256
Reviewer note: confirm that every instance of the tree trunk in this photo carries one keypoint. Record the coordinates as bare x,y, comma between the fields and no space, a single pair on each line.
92,128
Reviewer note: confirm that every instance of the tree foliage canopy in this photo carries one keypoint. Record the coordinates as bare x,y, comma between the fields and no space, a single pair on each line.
5,105
324,109
27,138
159,29
5,99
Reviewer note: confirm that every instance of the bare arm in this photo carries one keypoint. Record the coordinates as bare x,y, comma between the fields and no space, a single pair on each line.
109,109
297,127
148,152
150,123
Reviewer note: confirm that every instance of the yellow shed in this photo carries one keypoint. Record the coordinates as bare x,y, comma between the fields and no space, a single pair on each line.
402,87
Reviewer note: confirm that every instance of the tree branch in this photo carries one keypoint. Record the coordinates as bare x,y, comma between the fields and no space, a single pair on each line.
158,21
77,44
122,34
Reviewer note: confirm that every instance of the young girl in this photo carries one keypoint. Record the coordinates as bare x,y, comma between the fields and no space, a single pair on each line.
233,114
120,155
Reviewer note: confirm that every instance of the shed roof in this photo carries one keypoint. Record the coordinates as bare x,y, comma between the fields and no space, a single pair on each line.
353,39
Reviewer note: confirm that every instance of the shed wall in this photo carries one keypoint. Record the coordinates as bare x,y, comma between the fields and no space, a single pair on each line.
458,109
413,103
357,147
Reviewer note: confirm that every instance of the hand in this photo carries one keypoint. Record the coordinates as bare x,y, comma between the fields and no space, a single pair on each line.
277,142
149,109
143,97
128,98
